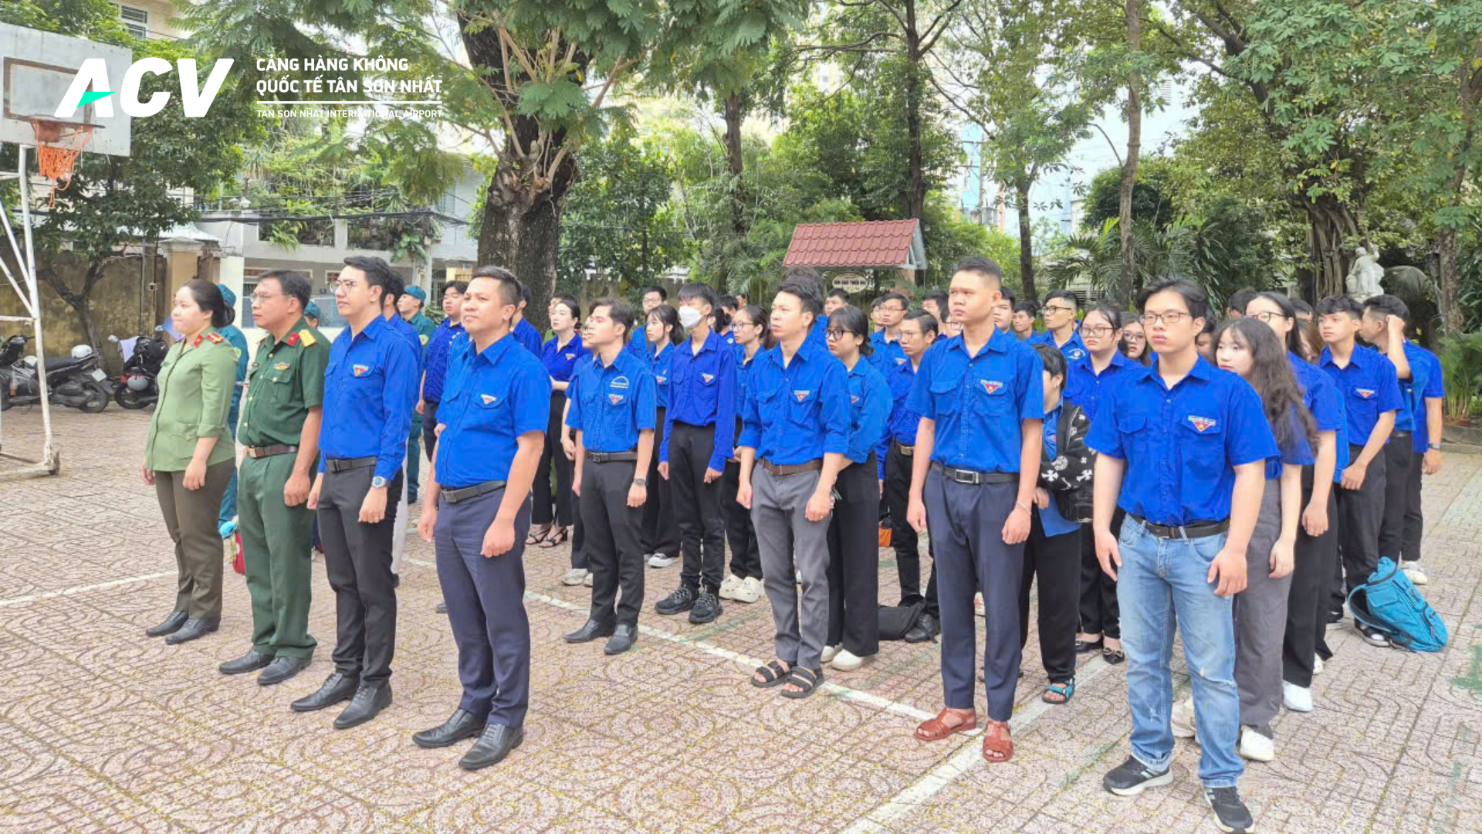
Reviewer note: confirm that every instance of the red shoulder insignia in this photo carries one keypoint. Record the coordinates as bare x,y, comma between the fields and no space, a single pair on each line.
215,338
292,339
197,341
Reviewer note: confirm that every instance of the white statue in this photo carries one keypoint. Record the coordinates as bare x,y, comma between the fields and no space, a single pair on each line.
1364,276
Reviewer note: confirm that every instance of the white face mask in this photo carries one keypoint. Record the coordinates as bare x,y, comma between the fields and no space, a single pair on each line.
689,317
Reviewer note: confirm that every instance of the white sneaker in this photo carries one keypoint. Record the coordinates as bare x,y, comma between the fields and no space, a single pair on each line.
659,560
1316,665
575,576
847,661
1296,698
1255,746
749,590
829,652
588,581
1412,570
1182,719
978,605
728,587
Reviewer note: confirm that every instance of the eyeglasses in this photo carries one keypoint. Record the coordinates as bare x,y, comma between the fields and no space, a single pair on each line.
1097,331
838,333
1267,317
1135,337
1171,317
344,284
1057,308
262,297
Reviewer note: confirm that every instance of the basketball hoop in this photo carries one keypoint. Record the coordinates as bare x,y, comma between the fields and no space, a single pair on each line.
57,147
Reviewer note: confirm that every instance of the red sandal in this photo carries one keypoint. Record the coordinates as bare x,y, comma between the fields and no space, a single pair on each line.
936,729
997,745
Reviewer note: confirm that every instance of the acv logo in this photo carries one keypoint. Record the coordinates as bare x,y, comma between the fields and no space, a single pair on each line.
92,85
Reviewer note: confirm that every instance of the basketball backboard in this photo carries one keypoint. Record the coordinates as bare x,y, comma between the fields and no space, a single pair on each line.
36,69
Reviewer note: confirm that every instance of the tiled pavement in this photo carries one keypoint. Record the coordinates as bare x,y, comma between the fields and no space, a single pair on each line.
102,729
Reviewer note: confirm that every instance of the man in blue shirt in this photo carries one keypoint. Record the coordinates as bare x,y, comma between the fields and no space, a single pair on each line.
391,310
1192,441
525,332
650,298
1370,390
234,337
409,307
612,396
973,475
887,354
795,431
493,417
699,429
1060,332
917,332
369,387
435,361
1003,312
1427,395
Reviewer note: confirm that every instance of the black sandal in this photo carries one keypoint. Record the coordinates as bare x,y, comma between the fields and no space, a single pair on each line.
774,674
557,536
1113,656
1083,646
810,684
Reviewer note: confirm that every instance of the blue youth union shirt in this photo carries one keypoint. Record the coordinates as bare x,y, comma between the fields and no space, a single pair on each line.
1425,385
886,355
1419,375
1074,349
798,413
979,401
639,343
1296,451
1320,396
414,340
869,408
1084,386
559,360
702,392
1050,517
1181,444
1368,386
658,365
435,362
492,397
611,404
370,385
901,427
526,334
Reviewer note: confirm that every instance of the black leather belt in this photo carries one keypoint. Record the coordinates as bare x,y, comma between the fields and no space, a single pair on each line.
1196,530
1399,433
904,449
346,464
453,496
608,457
270,451
815,465
973,477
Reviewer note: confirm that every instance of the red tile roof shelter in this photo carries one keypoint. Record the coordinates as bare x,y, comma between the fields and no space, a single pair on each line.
880,243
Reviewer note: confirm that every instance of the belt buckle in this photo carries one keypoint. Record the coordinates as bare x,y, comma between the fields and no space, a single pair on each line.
971,479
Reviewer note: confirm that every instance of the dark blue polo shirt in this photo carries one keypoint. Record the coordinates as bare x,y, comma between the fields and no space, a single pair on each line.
370,386
1368,386
886,355
818,336
1320,396
1074,349
611,404
1181,445
658,366
1296,451
408,332
639,343
702,392
1426,382
869,409
901,427
799,413
560,360
1420,368
491,398
979,401
435,364
1083,386
526,334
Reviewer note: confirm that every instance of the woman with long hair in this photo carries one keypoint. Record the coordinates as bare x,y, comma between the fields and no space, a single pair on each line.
1135,341
1305,642
189,457
553,515
659,540
744,584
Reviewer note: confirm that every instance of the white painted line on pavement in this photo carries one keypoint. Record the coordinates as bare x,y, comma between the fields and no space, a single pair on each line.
82,589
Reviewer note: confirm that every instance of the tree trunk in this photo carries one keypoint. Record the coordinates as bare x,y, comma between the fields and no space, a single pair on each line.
1026,245
916,193
1129,167
523,235
80,303
1452,320
1334,230
734,116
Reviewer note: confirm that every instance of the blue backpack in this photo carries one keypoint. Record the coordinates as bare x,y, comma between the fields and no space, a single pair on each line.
1393,605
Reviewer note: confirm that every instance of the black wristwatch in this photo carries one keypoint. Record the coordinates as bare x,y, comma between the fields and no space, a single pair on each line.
1435,447
643,482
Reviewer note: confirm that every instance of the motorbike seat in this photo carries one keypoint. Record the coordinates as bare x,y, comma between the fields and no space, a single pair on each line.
55,362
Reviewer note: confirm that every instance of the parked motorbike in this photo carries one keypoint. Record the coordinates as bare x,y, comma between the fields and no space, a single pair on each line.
138,387
75,381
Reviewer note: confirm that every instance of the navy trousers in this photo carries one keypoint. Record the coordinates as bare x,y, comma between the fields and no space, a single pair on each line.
486,608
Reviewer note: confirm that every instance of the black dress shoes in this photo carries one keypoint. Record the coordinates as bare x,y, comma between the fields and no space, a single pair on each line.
281,669
194,628
169,625
368,702
336,688
589,632
492,746
925,630
249,662
460,726
622,639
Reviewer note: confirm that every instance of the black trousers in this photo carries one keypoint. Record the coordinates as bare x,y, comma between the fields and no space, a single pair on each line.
357,560
1414,520
429,430
1360,514
658,514
558,510
702,528
1306,613
613,553
746,559
903,536
1099,611
1398,458
854,560
1057,562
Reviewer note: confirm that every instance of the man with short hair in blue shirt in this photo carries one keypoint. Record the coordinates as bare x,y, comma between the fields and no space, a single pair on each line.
1370,389
1183,449
649,298
391,311
795,431
1059,313
885,342
435,363
612,396
369,388
525,332
973,475
493,418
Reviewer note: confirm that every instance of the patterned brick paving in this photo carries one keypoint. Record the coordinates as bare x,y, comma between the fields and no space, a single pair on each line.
102,729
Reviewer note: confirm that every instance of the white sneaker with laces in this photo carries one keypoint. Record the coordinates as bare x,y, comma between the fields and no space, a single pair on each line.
1316,665
1412,570
847,661
1182,719
728,587
1255,746
1296,698
829,652
750,590
659,560
588,581
575,576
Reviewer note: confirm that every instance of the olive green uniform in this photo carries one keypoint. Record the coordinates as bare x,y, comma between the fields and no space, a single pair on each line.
196,383
285,381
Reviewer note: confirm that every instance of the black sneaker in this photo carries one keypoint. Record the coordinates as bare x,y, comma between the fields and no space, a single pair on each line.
1374,637
1132,777
706,608
681,600
1230,814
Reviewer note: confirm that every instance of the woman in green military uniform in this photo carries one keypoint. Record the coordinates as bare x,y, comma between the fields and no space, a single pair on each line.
189,457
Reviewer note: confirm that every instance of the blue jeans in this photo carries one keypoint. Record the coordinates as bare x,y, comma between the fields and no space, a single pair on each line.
1162,582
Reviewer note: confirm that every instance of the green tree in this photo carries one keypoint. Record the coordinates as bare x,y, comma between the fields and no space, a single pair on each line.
1152,196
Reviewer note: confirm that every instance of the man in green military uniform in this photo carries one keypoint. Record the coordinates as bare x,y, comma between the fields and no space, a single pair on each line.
281,415
410,307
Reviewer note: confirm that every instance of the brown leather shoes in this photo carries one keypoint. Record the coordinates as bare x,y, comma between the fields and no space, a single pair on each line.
936,729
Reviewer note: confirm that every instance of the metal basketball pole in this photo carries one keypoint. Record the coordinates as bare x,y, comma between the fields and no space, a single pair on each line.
30,297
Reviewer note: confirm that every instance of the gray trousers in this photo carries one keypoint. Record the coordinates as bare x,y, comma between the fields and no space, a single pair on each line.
190,517
1260,620
786,537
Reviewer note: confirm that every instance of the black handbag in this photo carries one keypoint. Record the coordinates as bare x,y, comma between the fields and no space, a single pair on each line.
897,620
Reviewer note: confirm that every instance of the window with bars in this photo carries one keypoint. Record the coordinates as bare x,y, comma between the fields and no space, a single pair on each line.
135,20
